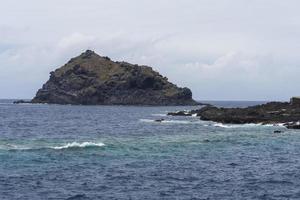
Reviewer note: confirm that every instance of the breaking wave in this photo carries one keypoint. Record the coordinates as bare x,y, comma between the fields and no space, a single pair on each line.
72,145
245,125
159,115
235,125
209,124
79,145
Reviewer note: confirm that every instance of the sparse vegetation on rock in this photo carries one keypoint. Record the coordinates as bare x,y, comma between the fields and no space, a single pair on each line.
90,79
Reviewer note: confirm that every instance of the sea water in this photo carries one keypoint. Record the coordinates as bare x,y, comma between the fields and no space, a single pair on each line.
121,152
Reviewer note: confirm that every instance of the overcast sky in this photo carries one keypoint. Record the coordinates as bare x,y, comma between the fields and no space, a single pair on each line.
221,49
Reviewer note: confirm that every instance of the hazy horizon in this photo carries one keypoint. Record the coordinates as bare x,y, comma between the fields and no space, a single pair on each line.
221,50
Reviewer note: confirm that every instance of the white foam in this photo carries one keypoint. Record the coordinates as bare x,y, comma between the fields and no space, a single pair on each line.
235,125
245,125
65,146
171,121
147,120
79,145
221,125
159,115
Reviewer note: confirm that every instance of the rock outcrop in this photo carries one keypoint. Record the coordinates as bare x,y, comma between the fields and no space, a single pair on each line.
21,101
90,79
287,113
295,101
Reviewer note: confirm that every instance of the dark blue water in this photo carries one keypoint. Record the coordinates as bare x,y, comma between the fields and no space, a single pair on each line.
234,104
119,152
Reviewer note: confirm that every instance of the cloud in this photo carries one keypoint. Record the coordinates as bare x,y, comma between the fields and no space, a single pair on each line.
217,48
75,40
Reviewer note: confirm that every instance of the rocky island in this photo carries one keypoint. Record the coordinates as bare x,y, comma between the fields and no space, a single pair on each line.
90,79
285,113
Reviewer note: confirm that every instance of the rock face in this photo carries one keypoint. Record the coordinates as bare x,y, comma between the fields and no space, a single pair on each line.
90,79
287,113
295,100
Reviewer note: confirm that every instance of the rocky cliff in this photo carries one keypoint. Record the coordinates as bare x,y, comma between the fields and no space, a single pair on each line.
90,79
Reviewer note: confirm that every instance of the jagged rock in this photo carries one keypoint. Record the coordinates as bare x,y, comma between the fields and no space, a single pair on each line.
293,125
269,113
90,79
20,101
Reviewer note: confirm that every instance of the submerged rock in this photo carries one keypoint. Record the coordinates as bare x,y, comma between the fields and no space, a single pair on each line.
90,79
278,131
159,120
287,113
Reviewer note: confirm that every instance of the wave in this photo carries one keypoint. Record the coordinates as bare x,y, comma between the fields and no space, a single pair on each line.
165,115
159,115
279,124
246,125
211,124
79,145
203,123
170,121
220,125
72,145
32,104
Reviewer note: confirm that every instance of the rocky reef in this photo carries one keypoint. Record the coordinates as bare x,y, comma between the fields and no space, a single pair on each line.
21,101
286,113
90,79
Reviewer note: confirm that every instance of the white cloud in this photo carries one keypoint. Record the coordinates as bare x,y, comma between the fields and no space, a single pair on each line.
220,49
75,40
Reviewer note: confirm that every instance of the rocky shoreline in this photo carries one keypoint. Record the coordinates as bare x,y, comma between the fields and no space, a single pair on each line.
285,113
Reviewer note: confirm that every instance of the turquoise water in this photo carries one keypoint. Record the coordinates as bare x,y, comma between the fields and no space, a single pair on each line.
119,152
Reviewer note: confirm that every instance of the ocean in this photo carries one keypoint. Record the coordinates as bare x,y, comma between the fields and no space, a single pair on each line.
120,152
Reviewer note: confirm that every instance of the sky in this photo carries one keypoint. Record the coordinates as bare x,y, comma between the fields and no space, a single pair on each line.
220,49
